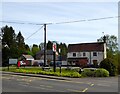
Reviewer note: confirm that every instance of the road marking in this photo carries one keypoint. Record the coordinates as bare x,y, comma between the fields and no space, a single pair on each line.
74,90
92,85
85,90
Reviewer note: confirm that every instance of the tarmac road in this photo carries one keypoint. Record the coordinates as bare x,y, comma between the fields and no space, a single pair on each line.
18,83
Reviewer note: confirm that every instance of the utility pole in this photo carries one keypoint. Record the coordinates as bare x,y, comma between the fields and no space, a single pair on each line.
44,45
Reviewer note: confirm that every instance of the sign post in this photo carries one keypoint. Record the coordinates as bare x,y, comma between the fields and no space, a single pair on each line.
54,56
60,59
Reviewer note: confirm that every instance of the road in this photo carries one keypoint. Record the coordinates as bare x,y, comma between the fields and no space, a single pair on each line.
17,83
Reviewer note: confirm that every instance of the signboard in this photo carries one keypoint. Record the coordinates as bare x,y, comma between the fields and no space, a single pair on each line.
13,61
54,47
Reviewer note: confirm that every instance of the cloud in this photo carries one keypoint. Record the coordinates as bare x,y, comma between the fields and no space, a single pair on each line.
63,12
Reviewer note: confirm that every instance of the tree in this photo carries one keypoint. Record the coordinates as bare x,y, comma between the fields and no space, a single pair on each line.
8,36
41,46
9,39
109,65
20,44
20,41
49,45
112,49
111,42
35,49
27,48
64,48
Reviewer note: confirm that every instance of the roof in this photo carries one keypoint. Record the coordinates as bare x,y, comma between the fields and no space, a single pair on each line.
28,57
49,52
96,46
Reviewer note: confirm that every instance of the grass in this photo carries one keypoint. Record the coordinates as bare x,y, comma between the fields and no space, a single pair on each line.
38,70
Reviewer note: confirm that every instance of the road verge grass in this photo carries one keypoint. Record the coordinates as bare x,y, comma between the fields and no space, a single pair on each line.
65,72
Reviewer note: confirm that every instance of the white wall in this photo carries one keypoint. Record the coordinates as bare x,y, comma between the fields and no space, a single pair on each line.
89,55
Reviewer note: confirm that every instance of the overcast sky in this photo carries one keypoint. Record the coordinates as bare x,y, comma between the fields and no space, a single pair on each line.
44,12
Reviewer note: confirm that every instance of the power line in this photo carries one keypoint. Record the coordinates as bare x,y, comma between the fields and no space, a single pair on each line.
15,22
87,20
34,33
75,21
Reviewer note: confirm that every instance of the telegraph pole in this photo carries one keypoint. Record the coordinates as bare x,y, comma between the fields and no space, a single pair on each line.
44,45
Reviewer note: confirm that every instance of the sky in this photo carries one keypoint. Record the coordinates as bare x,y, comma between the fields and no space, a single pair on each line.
55,12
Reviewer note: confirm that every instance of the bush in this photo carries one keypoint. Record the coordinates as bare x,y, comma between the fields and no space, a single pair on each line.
109,66
87,73
75,75
101,73
95,73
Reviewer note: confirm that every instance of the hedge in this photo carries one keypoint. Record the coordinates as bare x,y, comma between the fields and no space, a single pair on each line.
96,73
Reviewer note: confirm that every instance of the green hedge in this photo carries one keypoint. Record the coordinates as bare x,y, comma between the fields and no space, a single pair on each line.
63,74
109,65
96,73
101,73
87,73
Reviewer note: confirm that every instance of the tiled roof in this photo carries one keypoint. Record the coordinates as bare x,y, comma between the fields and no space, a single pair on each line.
97,46
49,52
28,56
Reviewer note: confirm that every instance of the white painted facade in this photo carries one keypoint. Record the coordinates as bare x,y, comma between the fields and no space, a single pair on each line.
90,55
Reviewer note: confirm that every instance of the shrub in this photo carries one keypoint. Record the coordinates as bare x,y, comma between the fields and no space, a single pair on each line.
87,73
109,66
101,73
95,73
75,75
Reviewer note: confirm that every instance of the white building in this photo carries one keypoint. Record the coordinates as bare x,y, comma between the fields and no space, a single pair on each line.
89,53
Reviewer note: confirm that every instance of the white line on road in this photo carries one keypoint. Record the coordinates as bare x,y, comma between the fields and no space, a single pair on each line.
85,90
92,85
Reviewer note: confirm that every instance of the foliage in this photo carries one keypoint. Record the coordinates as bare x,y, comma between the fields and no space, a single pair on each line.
64,73
20,41
112,50
35,49
109,65
111,42
88,73
101,73
49,45
95,73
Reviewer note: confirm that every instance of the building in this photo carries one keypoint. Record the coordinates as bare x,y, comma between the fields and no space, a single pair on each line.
26,57
87,53
49,55
26,60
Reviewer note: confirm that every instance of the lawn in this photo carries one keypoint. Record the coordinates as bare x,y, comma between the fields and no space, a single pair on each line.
65,72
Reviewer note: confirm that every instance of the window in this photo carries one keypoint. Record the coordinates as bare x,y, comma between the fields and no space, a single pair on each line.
94,53
84,54
74,54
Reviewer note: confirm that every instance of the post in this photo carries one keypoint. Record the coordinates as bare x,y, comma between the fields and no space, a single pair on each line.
44,45
60,59
54,65
8,63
